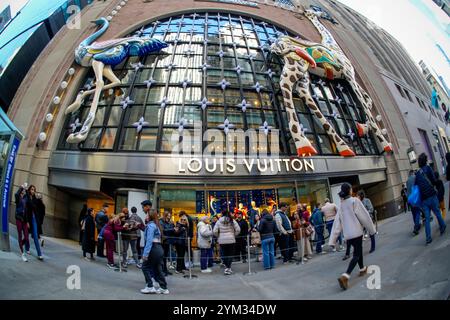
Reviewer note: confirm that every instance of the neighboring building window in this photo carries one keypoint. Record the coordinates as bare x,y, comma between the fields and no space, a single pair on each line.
408,95
400,90
232,42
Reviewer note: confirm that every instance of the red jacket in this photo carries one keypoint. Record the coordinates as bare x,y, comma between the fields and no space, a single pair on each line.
111,230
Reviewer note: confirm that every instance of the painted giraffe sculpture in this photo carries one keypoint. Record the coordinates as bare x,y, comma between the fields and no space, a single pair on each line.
326,60
102,56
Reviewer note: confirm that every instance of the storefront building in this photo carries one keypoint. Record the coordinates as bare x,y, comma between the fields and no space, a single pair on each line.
202,125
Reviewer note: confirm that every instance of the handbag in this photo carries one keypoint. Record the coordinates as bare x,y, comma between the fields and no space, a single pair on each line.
256,238
309,230
414,198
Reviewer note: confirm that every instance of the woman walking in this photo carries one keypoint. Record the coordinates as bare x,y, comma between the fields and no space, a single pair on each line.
351,219
369,207
226,230
31,211
153,256
266,230
204,242
22,222
88,241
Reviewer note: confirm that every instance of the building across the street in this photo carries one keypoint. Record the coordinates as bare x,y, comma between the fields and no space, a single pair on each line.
218,118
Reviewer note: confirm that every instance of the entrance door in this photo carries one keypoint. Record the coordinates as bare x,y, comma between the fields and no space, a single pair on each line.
335,189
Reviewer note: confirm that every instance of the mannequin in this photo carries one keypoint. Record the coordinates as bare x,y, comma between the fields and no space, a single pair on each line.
252,213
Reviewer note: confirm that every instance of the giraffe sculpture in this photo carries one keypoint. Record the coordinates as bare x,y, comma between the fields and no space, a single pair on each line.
102,56
326,60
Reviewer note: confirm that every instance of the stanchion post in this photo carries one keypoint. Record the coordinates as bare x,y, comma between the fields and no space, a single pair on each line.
248,257
119,251
190,276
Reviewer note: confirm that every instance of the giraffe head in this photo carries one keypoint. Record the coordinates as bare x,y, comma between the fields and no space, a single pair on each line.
280,46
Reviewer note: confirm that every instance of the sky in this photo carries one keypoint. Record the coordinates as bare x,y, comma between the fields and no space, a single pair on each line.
417,24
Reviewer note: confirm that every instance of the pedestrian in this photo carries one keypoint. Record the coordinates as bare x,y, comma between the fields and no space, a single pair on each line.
40,215
440,193
415,211
426,182
168,238
81,217
130,236
101,219
216,247
317,222
369,207
352,217
266,230
285,228
88,241
153,252
190,235
447,168
116,224
241,239
404,195
181,233
204,242
31,211
256,237
252,213
226,230
22,222
329,210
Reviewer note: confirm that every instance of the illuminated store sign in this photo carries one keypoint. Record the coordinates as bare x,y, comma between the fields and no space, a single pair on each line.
219,165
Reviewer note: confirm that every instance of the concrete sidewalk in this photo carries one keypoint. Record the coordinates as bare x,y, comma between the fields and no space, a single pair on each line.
409,270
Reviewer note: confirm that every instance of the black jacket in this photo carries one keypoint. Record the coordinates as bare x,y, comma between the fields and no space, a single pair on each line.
168,232
181,236
243,224
88,242
267,227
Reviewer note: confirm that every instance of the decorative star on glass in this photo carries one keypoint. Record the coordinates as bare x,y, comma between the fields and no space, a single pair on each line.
303,129
188,52
136,66
339,87
224,84
238,69
205,103
156,23
244,105
262,47
170,66
205,41
270,73
205,67
258,87
350,134
194,15
140,124
140,32
126,102
314,96
335,114
75,125
338,100
181,125
226,126
149,82
265,127
88,85
163,102
321,82
250,56
221,53
185,83
175,42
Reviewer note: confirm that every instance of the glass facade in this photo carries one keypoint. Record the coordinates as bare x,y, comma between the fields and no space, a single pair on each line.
219,58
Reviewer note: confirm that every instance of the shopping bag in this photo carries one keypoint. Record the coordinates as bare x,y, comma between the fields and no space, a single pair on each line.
414,198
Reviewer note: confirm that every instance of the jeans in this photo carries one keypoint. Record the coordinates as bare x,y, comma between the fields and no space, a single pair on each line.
319,238
228,251
100,246
356,243
125,244
206,258
284,246
329,225
432,204
181,251
34,229
292,246
416,218
152,267
268,251
22,230
166,248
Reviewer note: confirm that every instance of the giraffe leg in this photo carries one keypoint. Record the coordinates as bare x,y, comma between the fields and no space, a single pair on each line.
343,149
370,123
99,85
302,144
109,74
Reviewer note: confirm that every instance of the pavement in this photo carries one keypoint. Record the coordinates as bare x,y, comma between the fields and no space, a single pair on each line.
408,270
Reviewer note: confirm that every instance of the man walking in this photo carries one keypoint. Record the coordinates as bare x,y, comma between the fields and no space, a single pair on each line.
101,219
241,239
317,222
285,228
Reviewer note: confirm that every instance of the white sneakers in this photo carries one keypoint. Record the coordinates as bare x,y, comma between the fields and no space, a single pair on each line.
152,290
41,258
228,271
24,258
208,270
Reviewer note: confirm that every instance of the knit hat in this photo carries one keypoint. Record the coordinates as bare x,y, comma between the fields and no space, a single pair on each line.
345,190
204,218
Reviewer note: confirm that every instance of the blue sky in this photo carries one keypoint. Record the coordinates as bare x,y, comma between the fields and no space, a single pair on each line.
418,24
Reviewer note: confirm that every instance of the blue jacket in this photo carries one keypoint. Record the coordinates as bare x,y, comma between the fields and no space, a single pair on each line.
427,190
316,218
151,232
